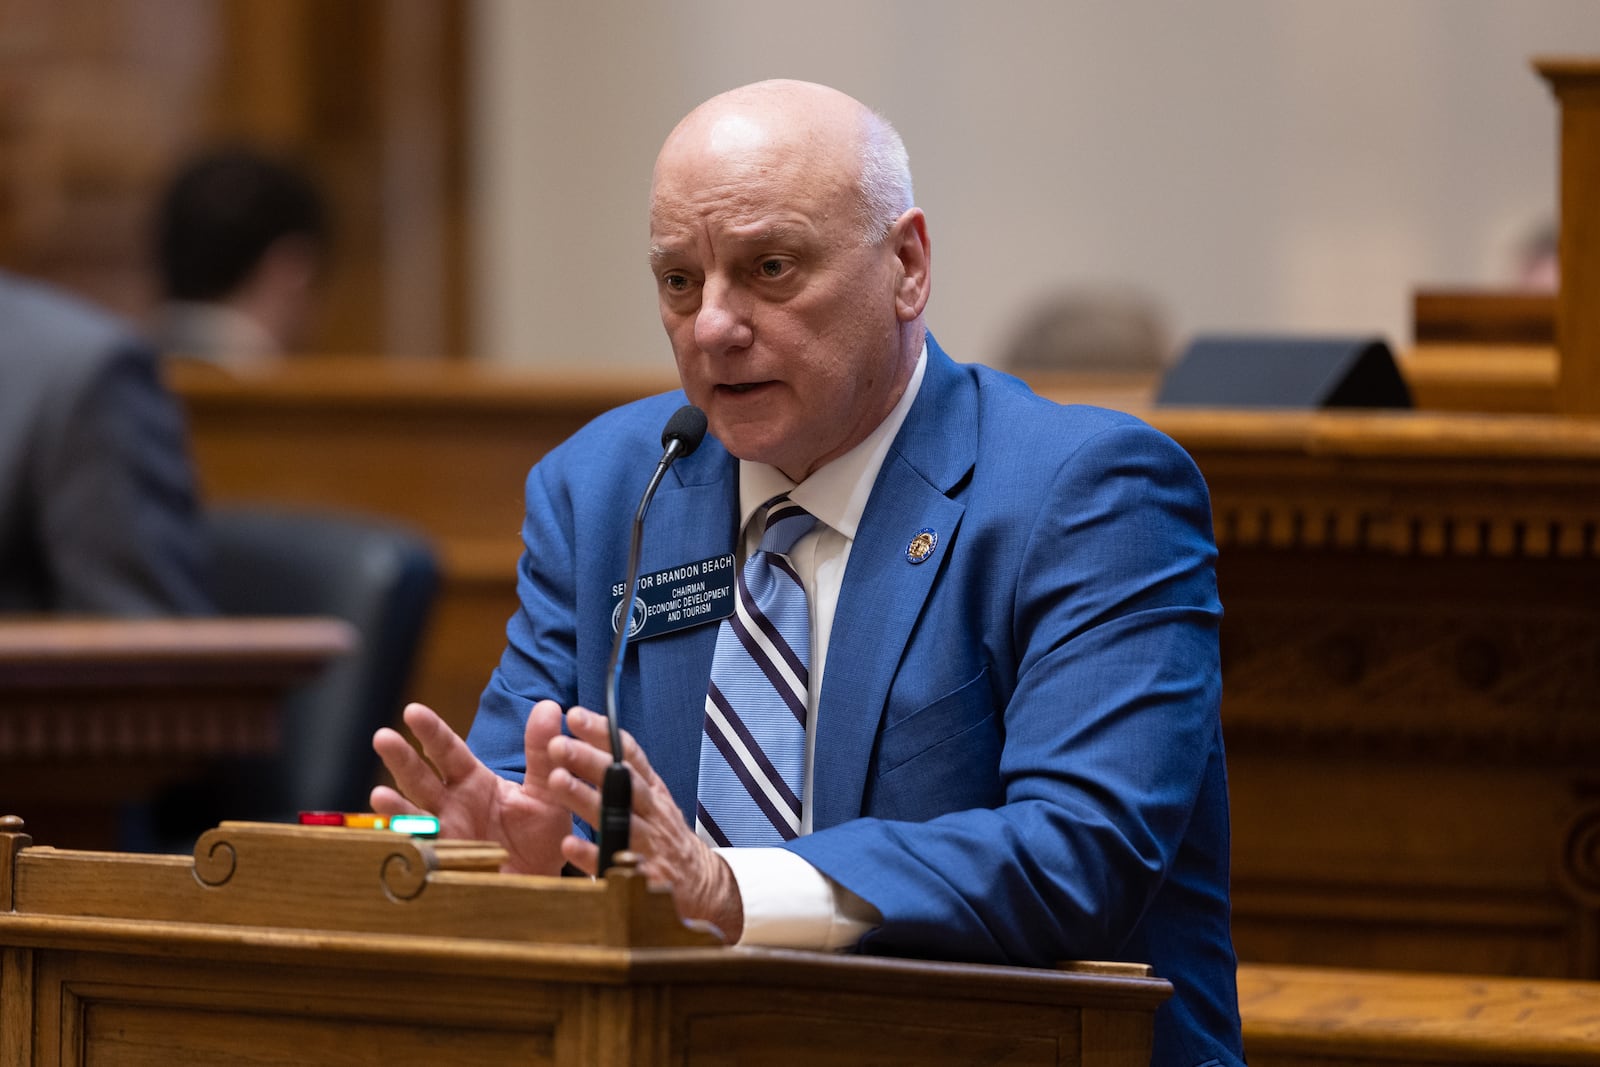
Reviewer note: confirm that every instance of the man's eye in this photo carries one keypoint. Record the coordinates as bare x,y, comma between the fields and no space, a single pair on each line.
676,283
773,268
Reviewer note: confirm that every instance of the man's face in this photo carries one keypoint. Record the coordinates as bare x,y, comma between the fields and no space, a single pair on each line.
783,320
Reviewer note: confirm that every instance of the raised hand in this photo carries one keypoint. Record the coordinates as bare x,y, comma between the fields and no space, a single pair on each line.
469,799
670,854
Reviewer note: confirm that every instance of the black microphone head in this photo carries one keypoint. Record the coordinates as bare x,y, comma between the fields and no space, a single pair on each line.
688,427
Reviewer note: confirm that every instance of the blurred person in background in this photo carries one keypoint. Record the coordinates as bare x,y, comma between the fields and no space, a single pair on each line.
1538,259
240,243
1098,329
98,507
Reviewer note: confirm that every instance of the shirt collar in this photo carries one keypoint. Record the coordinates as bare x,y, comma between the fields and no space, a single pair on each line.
214,331
836,492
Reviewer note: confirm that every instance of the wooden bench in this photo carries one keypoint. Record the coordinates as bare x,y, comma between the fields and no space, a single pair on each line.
1302,1016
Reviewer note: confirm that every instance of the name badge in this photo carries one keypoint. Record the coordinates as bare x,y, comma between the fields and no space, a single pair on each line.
677,598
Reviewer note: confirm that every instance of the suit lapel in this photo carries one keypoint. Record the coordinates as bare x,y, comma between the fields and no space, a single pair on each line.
883,591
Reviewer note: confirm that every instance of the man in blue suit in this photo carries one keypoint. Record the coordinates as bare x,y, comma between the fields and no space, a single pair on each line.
1012,745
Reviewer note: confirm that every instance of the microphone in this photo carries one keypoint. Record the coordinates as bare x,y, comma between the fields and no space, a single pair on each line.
682,435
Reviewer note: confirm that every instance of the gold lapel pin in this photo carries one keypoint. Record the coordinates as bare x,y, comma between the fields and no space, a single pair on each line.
922,545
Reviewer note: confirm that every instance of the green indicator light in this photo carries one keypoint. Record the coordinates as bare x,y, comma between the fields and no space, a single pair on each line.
421,825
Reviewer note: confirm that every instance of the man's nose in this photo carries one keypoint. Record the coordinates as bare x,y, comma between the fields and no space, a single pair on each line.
723,322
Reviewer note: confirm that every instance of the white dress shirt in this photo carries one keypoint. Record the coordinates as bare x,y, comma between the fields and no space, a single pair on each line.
787,902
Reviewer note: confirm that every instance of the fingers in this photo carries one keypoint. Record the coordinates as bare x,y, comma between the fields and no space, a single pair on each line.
587,753
412,774
386,801
572,792
392,747
544,723
595,729
670,854
580,763
442,745
584,855
424,779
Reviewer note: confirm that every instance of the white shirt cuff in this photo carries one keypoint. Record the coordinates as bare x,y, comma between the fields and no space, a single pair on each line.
790,904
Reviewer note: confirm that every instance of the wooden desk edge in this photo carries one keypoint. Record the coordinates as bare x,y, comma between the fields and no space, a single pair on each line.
1341,1010
33,639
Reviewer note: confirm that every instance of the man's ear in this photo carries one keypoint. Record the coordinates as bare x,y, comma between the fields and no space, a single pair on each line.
908,237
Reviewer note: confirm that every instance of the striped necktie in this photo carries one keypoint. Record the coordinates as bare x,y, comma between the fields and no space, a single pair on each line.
753,749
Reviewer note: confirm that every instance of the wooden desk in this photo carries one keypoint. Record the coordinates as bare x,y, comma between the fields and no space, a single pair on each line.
312,945
1305,1017
95,713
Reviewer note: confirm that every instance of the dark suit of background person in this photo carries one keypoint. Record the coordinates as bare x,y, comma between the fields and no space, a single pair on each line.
98,510
1019,755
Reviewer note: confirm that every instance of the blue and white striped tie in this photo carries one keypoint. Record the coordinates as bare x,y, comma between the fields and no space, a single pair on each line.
753,750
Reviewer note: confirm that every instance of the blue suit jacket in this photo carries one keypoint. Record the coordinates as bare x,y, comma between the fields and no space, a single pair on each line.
1019,755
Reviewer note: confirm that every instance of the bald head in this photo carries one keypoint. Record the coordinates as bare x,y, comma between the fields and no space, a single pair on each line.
791,269
835,138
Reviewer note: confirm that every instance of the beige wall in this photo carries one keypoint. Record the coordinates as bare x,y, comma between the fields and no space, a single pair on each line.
1259,164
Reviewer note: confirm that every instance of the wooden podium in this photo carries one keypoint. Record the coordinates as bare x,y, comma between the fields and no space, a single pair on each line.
308,945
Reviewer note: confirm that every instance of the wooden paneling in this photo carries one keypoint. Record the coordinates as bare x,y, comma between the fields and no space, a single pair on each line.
1411,649
100,102
96,103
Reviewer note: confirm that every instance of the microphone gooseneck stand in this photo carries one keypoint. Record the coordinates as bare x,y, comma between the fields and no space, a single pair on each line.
683,434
